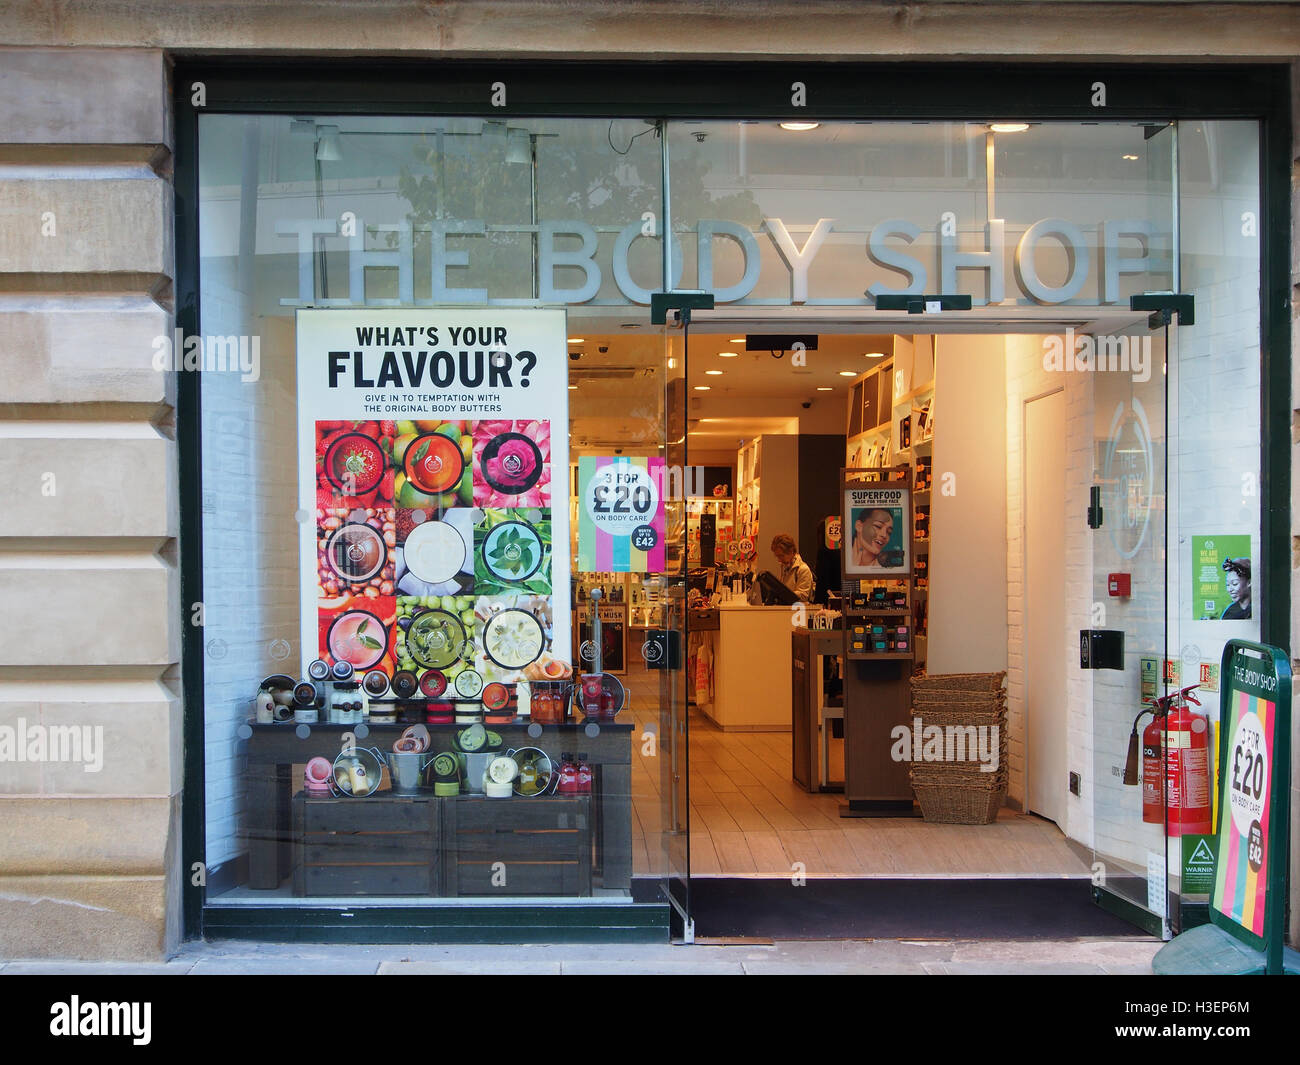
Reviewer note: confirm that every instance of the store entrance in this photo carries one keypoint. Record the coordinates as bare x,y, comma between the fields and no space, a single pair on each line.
978,423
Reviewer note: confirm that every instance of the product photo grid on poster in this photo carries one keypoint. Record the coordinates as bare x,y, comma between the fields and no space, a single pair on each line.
434,531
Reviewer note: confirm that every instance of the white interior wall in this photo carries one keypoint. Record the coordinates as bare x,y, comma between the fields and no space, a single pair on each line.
1026,378
250,545
968,566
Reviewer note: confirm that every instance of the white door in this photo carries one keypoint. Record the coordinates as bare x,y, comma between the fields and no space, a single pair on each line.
1044,510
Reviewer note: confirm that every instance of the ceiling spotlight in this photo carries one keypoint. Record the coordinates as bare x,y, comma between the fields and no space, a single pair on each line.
1009,127
577,340
825,388
848,373
573,388
799,127
874,354
1130,158
701,388
713,373
736,340
727,355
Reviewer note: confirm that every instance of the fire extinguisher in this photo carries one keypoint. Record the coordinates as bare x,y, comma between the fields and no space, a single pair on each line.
1175,759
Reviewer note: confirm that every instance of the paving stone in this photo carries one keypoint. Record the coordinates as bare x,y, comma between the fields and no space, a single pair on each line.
94,968
462,967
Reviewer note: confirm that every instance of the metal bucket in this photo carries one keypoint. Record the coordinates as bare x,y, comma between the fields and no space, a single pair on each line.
474,766
407,769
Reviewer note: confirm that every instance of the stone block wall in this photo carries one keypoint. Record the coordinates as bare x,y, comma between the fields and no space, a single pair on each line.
90,625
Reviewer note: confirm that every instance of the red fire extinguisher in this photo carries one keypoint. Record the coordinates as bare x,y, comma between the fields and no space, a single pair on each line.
1175,757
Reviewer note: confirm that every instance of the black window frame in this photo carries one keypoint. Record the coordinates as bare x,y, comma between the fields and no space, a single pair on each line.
859,90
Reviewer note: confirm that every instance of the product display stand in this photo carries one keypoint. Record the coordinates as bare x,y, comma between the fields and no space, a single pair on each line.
877,680
811,714
274,750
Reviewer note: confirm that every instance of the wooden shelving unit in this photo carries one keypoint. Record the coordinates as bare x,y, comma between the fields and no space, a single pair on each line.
877,682
902,434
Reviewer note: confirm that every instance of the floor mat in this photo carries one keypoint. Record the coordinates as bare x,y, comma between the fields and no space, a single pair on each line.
901,909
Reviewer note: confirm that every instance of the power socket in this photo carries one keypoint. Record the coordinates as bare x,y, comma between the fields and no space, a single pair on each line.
1075,784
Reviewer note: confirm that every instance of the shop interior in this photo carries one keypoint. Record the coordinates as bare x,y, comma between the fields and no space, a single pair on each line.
768,433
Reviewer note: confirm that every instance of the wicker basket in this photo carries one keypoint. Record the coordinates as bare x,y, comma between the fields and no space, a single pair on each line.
981,682
948,696
945,805
949,774
988,713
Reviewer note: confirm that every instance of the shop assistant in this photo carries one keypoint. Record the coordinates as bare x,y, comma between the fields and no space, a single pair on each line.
795,573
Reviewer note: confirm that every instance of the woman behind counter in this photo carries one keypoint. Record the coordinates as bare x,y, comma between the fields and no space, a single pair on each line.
795,573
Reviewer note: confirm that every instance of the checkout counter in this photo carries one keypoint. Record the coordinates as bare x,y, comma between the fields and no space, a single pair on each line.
751,668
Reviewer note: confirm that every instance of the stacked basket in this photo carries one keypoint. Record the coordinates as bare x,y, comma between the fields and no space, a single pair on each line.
952,790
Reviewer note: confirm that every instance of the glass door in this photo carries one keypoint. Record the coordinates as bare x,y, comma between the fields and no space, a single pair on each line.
674,719
1126,644
1126,641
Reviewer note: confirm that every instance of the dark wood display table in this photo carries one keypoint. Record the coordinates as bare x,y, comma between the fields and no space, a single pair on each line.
273,750
400,844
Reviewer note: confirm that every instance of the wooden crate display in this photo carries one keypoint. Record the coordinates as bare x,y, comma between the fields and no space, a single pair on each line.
381,845
518,846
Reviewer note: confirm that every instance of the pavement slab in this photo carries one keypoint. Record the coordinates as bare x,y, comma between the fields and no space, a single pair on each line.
1126,956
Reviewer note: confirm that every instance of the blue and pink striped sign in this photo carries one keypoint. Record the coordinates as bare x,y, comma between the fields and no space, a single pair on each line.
621,519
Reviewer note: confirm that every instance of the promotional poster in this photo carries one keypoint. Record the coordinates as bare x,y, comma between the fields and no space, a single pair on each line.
435,538
621,517
1221,577
877,529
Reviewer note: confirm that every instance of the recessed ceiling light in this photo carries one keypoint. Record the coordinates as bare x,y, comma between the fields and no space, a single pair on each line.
701,388
714,373
874,354
573,388
727,355
1131,158
848,373
1009,127
799,127
736,340
577,340
825,388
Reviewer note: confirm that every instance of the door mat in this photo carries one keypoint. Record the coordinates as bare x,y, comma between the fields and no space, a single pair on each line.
901,909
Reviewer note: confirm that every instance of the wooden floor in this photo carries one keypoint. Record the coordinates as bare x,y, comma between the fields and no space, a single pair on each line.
749,818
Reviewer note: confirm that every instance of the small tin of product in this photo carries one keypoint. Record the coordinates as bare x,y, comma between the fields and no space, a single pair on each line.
404,685
342,671
319,670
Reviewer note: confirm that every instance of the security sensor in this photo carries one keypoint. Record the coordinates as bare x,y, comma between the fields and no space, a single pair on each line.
618,451
806,404
574,356
603,349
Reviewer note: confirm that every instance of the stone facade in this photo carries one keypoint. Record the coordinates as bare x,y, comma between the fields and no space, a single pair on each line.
89,860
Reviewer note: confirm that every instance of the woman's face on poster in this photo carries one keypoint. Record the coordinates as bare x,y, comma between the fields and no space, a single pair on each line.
874,528
1237,585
